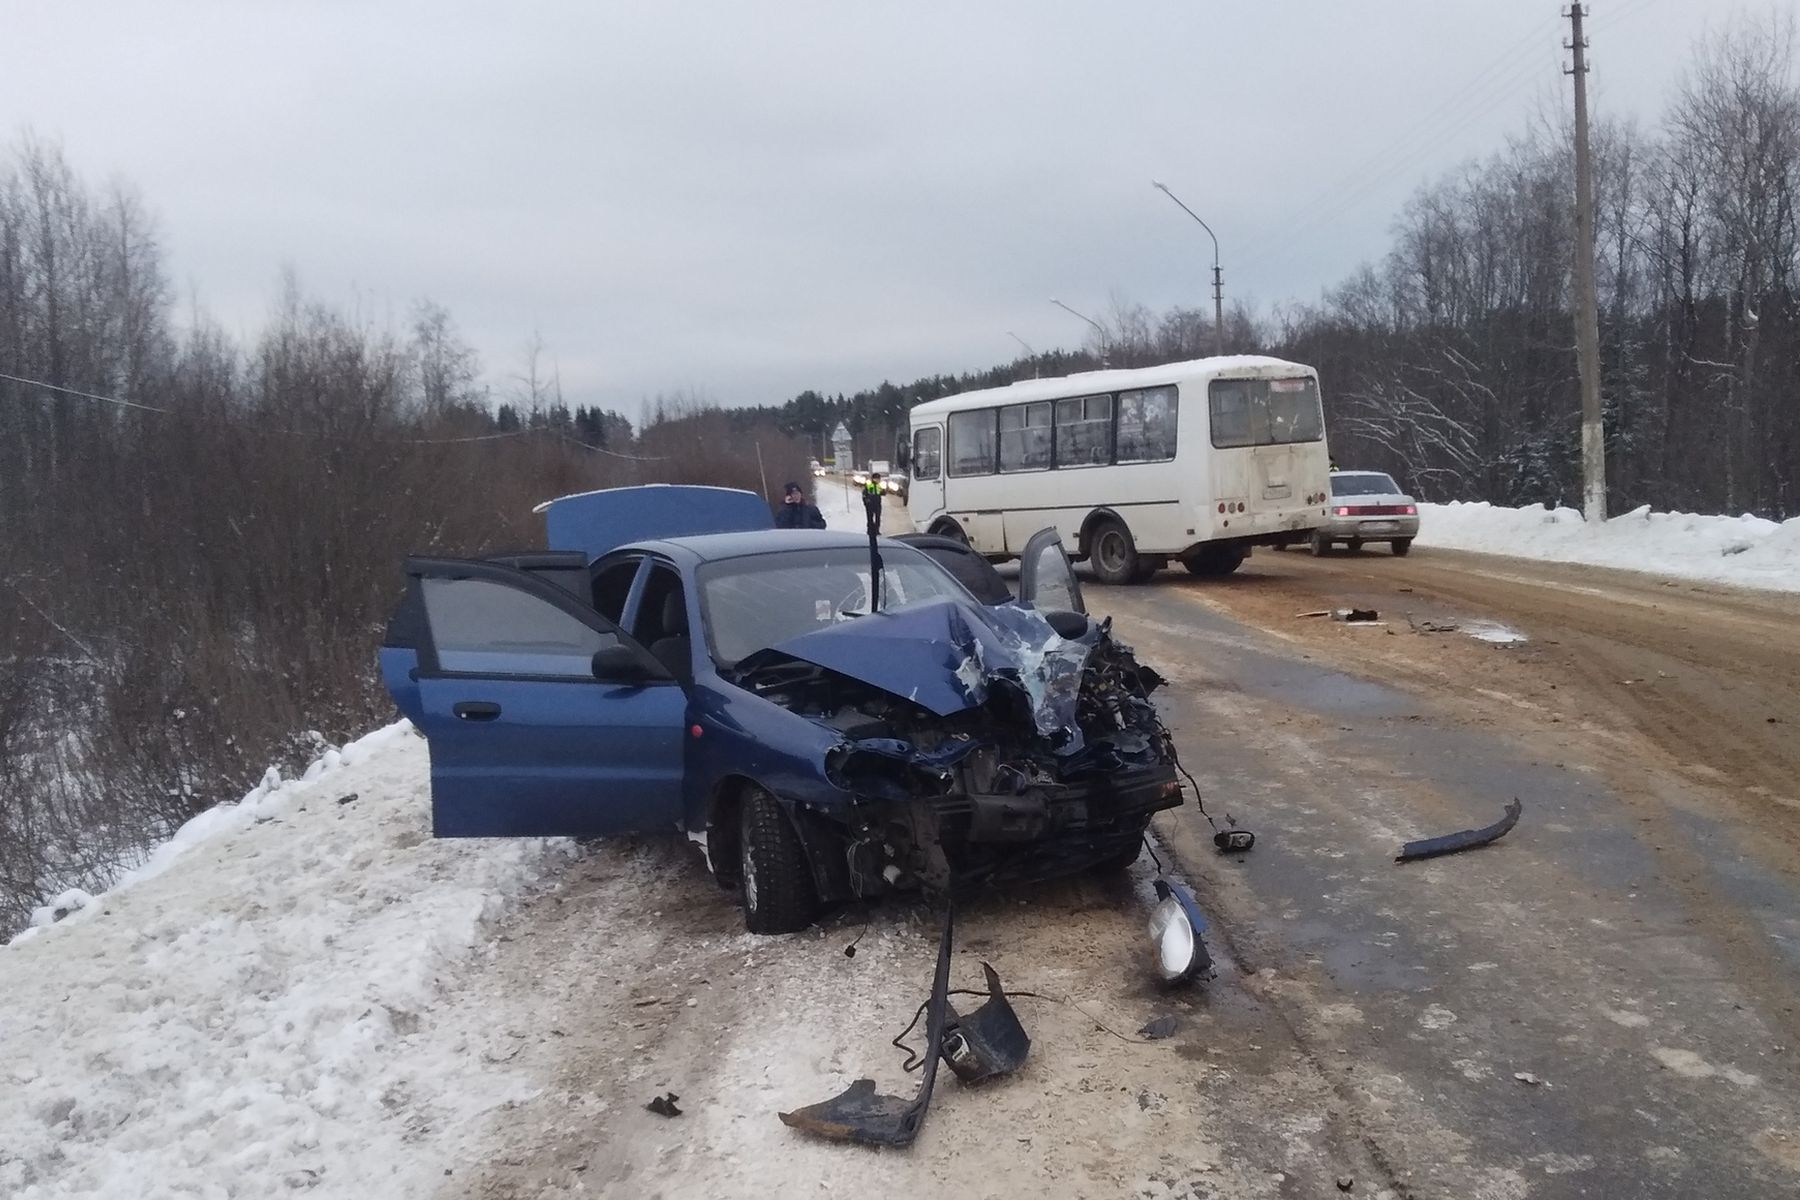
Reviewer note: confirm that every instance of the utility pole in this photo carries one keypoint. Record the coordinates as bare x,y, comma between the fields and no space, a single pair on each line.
1587,316
1218,275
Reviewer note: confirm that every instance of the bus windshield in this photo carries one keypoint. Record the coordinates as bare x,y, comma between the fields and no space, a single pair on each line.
1265,412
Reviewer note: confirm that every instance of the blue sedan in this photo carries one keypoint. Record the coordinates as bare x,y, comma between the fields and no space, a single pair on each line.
827,718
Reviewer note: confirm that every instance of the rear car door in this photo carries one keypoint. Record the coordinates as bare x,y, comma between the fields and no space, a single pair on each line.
1046,576
525,739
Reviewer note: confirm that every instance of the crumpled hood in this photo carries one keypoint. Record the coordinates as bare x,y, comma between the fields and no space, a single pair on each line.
944,655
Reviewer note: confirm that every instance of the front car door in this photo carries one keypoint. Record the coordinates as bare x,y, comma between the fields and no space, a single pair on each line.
525,740
1046,576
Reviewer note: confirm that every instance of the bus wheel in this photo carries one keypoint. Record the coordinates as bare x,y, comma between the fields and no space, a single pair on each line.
1112,553
1214,561
1148,566
952,530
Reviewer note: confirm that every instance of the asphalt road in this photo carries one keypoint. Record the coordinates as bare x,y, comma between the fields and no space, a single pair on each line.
1602,1004
1607,1002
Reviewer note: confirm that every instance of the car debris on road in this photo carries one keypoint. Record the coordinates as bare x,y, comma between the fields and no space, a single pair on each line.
1467,839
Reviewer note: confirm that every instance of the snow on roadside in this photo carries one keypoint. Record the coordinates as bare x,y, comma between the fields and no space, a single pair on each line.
1747,551
250,1021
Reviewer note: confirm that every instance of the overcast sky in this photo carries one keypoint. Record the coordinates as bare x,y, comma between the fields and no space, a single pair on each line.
752,199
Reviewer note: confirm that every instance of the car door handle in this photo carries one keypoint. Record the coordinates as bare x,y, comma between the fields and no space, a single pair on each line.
477,710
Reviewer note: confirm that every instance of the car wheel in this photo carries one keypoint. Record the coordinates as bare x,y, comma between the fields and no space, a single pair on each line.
1354,545
1121,859
1320,544
1402,547
776,883
1112,553
1212,562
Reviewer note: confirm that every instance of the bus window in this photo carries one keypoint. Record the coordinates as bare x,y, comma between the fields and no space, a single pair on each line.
1147,425
1025,437
1084,431
928,447
972,442
1264,412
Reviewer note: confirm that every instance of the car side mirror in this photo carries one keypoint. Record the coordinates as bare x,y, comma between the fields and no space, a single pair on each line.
618,664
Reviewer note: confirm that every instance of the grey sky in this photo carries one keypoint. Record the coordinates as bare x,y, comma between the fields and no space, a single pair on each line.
752,199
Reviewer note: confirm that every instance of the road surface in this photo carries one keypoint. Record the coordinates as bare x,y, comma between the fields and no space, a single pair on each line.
1606,1003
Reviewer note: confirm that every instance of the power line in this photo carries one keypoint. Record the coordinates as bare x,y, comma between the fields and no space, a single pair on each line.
481,437
51,387
1499,78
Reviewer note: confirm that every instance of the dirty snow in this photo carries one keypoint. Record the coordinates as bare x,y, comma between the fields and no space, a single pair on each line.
1748,551
249,1023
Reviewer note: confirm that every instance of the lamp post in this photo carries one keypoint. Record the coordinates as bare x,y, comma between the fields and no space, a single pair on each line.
1090,321
1029,352
1218,278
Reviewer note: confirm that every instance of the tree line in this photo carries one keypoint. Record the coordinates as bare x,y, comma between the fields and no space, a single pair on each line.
201,538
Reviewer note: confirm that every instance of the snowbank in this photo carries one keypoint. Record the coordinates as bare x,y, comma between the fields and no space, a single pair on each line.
250,1022
1748,551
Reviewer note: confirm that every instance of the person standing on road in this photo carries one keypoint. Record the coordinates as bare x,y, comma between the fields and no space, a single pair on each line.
872,503
796,511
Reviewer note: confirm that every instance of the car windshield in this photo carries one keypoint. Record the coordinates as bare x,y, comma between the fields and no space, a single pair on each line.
1371,484
762,600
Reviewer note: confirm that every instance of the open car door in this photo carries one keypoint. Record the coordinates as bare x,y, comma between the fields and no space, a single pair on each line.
543,717
1046,576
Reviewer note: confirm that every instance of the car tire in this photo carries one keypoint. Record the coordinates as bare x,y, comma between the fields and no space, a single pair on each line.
1321,545
1215,562
1112,553
775,883
1120,860
1401,547
1354,545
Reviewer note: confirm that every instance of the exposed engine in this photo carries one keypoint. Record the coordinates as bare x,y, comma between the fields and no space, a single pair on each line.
1057,763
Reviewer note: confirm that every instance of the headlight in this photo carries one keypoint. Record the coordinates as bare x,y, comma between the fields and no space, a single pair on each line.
1176,926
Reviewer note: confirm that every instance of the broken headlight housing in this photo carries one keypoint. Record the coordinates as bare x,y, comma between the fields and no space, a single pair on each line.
1176,929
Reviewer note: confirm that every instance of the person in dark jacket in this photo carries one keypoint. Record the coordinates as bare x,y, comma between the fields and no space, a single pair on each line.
797,512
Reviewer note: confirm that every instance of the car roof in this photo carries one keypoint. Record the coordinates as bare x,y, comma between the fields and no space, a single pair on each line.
707,547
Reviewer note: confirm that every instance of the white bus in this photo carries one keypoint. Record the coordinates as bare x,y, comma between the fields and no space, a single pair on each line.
1197,461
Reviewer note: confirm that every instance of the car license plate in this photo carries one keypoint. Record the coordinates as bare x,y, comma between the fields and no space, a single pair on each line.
1378,527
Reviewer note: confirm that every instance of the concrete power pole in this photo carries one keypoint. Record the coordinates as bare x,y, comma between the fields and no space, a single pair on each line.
1587,317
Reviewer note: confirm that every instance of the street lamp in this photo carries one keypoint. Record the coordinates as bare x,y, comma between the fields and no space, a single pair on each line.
1090,321
1218,279
1029,352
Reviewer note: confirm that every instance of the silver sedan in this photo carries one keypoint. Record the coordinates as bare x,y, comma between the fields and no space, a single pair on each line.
1367,506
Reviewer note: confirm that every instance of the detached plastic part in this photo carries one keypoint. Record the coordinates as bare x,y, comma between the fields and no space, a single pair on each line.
990,1041
1467,839
860,1114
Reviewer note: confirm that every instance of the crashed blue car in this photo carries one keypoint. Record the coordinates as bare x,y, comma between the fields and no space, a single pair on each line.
829,720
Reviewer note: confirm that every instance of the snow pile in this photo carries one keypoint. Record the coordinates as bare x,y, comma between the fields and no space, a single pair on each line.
251,1022
1749,551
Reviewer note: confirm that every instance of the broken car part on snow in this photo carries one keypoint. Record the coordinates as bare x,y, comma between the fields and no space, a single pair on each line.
991,1041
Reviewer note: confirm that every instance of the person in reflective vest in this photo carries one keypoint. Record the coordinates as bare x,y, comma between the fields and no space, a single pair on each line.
872,503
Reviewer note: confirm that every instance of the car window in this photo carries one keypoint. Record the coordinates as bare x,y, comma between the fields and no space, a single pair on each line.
761,600
612,585
1370,484
970,569
662,612
487,628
